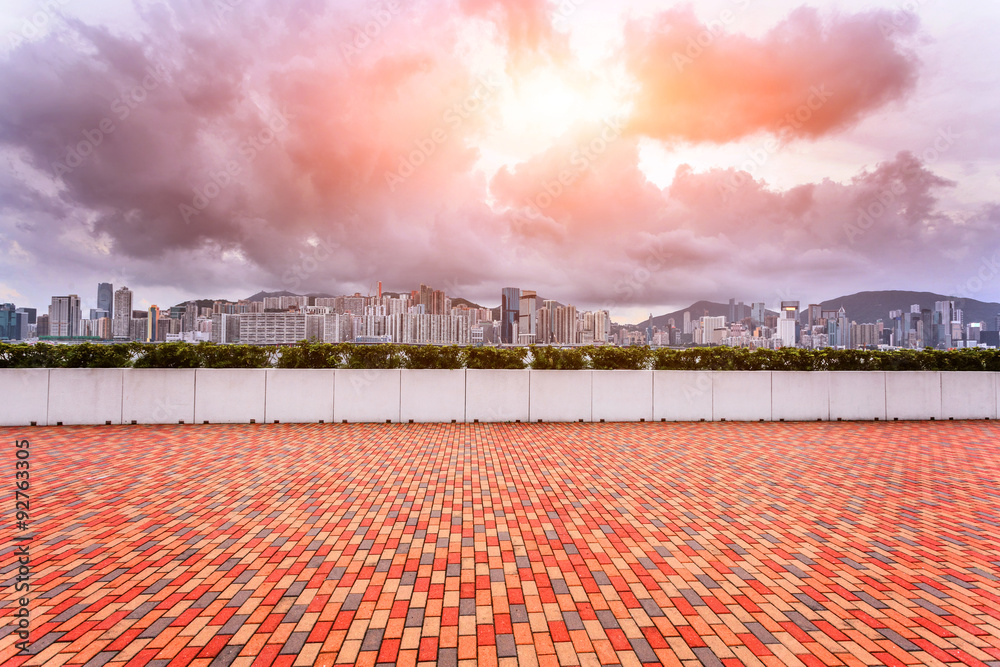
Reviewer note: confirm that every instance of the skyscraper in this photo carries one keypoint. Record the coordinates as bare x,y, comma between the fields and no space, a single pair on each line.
121,322
154,320
510,314
528,311
64,316
732,311
12,322
944,313
105,298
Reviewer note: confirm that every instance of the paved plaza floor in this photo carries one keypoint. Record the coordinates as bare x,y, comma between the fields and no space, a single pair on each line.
519,544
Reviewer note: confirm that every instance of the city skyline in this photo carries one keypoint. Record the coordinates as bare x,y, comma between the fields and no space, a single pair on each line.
624,155
430,316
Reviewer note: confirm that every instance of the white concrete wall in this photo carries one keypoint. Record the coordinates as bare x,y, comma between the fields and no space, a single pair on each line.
800,395
432,395
741,395
857,395
560,396
968,395
299,396
24,396
913,395
496,395
158,395
85,396
622,396
682,396
98,396
369,395
229,395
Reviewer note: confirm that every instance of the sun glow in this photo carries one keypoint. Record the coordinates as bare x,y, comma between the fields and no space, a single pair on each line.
538,108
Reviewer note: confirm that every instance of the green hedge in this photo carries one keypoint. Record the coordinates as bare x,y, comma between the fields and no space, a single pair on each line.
346,355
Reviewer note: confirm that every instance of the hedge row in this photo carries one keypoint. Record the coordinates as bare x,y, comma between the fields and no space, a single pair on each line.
346,355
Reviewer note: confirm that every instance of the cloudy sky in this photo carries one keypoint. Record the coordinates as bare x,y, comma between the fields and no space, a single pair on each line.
636,156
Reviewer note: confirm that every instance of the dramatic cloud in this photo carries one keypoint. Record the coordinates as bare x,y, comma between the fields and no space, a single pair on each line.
321,147
805,78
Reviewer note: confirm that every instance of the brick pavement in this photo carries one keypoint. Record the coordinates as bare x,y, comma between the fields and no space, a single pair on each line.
530,544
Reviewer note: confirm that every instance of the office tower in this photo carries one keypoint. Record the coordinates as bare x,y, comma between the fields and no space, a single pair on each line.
815,314
121,323
927,326
42,326
758,313
528,314
154,320
12,321
510,314
687,322
105,298
944,315
732,311
790,309
64,316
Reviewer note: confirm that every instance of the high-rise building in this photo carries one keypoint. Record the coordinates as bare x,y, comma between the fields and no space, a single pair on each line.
154,322
758,313
528,314
64,316
732,311
565,324
121,322
42,326
105,299
12,322
786,331
944,315
687,322
510,314
815,314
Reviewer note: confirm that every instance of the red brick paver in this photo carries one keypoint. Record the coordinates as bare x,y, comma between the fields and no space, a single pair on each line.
529,544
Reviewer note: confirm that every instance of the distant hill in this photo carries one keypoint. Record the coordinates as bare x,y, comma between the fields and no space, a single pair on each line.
697,310
869,307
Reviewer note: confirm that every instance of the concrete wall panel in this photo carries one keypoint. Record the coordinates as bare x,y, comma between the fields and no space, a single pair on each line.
432,396
229,396
622,396
496,395
158,395
297,396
